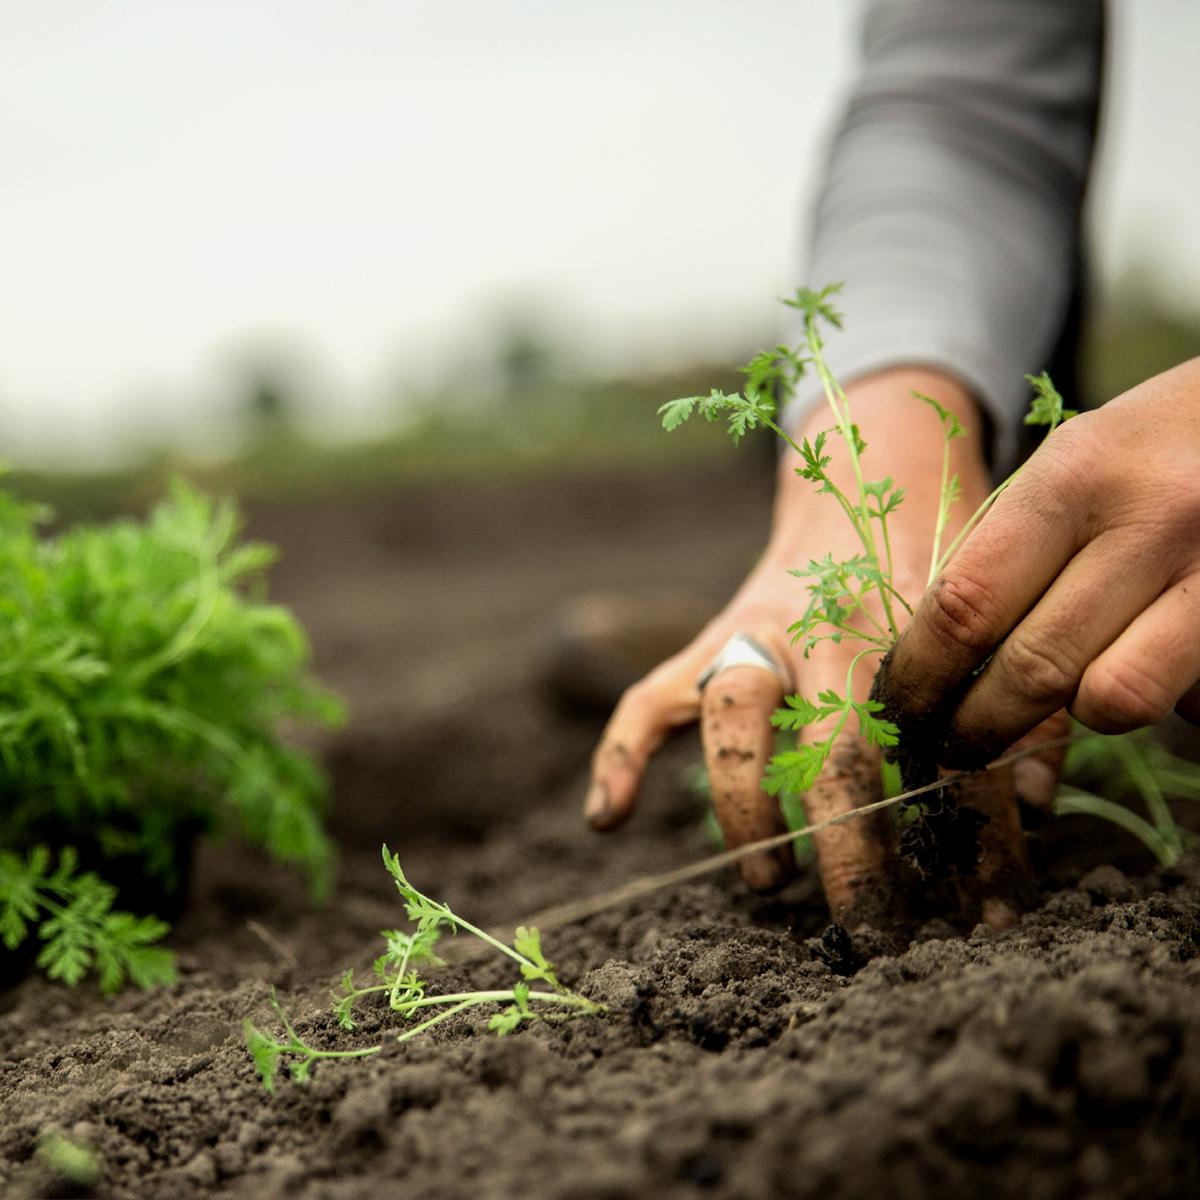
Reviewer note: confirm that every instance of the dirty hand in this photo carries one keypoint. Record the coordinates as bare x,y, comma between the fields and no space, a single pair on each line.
734,709
1081,587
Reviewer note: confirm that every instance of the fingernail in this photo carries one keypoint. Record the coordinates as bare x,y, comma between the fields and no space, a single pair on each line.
597,808
1036,782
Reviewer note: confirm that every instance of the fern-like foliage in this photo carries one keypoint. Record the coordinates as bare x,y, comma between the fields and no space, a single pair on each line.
144,685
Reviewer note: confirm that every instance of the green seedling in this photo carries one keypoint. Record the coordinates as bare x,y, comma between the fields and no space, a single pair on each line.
268,1052
145,685
70,1159
1131,764
73,914
396,976
854,599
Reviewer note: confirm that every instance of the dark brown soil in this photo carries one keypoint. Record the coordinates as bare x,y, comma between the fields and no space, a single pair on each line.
751,1052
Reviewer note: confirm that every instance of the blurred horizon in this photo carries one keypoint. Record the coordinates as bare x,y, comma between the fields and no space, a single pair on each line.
221,209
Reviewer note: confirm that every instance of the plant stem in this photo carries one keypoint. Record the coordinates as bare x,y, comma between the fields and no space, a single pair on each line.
429,1024
1141,775
498,997
943,512
841,413
1081,803
491,941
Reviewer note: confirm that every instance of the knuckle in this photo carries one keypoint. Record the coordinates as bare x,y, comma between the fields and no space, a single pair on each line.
1069,469
1039,669
962,611
1121,695
1074,455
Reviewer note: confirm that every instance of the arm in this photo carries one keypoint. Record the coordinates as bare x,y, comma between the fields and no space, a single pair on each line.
951,203
950,209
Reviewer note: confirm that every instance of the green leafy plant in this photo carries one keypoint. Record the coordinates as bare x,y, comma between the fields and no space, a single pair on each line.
1130,765
73,914
145,684
396,977
854,599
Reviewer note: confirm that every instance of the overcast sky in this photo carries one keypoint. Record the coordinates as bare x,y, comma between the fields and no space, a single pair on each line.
362,184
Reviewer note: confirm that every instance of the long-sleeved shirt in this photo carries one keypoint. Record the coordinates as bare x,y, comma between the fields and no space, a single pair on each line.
951,204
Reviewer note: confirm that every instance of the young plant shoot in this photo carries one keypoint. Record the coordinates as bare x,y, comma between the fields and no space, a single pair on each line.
854,599
538,995
144,687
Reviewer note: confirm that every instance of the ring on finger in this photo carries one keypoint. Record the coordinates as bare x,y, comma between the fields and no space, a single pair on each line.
742,650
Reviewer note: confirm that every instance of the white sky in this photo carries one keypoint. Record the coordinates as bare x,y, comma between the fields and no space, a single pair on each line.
363,184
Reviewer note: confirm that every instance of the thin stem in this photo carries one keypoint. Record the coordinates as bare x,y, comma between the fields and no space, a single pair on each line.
979,514
841,412
311,1053
976,517
851,514
188,632
400,975
497,997
850,671
1081,803
880,644
887,541
1142,777
943,511
429,1024
491,941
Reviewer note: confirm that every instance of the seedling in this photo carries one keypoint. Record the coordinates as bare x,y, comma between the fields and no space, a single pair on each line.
73,914
854,599
71,1159
144,687
397,977
1132,764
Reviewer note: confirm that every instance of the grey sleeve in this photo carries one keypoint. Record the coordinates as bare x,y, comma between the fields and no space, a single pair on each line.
951,202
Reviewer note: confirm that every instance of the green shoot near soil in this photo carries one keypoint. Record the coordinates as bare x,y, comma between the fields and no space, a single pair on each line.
854,599
73,914
144,687
396,977
1131,765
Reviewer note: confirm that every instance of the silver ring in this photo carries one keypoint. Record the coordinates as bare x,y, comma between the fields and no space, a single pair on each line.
743,651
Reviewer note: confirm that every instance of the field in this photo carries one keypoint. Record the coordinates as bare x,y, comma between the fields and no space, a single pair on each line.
749,1053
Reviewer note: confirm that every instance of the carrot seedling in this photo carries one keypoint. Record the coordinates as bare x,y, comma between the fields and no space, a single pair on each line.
145,684
397,977
1131,764
855,599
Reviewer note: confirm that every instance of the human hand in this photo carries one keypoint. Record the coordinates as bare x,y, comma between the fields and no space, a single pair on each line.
734,710
1080,588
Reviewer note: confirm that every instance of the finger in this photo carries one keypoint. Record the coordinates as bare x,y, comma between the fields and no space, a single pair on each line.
666,699
735,724
855,859
1036,777
1039,666
1002,886
1150,669
1032,531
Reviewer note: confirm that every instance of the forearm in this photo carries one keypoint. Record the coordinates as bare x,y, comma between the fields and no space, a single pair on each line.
951,203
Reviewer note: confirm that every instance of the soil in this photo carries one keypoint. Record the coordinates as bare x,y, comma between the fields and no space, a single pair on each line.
751,1050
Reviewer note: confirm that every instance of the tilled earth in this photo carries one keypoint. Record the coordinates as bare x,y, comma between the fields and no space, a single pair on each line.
749,1051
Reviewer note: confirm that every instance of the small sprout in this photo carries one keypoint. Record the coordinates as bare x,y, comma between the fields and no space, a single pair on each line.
853,599
72,1159
407,992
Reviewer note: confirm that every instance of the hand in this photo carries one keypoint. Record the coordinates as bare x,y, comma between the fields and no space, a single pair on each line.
855,858
1081,588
